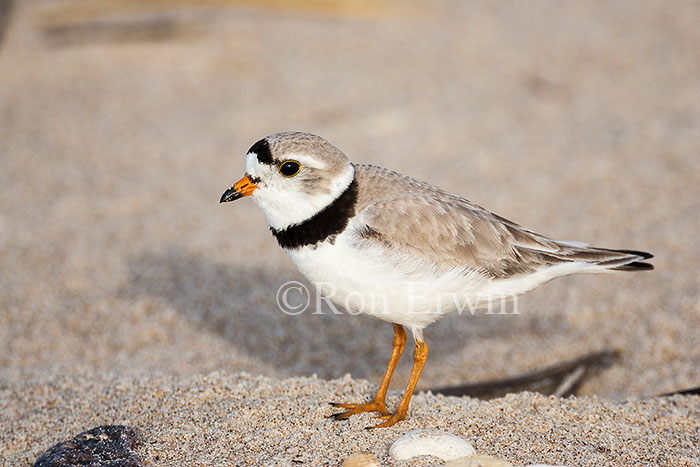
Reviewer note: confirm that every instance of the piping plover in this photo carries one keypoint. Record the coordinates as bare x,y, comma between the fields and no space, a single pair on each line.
365,232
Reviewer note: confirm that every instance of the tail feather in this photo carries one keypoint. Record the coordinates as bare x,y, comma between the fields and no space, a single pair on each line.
605,258
634,266
642,254
628,262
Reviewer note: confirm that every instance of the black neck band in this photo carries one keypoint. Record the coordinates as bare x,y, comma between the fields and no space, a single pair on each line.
325,224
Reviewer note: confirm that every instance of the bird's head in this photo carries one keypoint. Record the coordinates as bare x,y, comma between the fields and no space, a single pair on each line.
292,176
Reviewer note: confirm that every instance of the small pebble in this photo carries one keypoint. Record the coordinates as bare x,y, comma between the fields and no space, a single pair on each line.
441,444
478,461
361,459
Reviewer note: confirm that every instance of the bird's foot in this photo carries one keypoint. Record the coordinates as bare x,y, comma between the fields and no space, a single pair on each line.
390,419
354,409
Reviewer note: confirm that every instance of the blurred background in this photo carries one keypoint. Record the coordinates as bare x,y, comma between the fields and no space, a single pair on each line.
123,121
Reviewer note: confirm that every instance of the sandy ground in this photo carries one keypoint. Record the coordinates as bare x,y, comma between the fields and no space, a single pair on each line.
123,282
221,419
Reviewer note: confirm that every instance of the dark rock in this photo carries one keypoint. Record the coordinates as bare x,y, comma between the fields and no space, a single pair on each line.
107,445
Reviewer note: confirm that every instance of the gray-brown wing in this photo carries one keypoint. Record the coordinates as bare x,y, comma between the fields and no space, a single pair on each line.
445,229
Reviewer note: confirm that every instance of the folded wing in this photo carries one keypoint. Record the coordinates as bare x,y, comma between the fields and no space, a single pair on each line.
406,214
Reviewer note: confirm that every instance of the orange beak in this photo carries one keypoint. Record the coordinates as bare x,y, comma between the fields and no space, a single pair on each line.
243,187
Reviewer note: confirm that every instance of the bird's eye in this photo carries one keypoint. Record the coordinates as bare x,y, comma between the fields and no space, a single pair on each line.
289,168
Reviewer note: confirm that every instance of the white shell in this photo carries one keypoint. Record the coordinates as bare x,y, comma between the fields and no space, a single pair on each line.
443,445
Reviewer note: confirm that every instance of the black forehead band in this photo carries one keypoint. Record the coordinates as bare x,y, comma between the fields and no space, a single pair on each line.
262,150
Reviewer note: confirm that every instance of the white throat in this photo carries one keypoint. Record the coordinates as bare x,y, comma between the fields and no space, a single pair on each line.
284,208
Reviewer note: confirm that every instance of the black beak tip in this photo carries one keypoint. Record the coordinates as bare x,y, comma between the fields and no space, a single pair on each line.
229,195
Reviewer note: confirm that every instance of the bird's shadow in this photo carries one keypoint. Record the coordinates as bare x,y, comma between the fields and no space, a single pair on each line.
240,305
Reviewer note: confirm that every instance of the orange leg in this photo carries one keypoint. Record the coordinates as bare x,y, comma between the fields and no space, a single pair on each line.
420,355
378,404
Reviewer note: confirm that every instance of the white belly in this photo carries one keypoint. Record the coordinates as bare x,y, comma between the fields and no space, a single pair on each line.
389,286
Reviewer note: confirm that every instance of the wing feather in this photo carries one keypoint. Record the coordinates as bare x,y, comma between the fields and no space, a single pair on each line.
426,222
